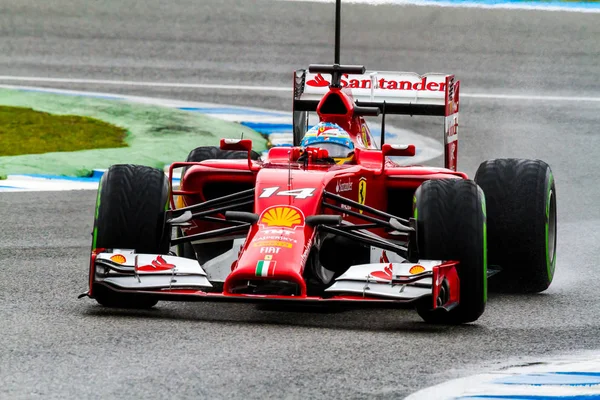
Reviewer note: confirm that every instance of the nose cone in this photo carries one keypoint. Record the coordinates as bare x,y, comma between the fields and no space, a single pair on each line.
277,251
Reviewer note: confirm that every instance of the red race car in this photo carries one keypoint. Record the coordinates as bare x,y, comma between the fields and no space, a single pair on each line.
332,219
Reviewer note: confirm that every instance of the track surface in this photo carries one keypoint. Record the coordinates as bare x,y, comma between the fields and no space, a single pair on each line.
58,347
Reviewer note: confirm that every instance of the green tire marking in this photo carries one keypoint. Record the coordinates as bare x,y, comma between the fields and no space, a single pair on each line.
485,250
416,212
95,233
550,265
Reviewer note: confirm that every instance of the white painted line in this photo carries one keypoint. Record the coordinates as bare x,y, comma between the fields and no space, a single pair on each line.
493,96
529,97
569,376
581,7
16,183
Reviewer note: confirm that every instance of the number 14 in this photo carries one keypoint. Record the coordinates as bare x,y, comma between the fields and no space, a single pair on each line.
297,193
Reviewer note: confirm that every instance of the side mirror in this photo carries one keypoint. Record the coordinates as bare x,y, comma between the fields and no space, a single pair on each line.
405,150
238,144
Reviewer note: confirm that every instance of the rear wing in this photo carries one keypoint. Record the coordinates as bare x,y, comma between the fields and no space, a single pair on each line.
401,93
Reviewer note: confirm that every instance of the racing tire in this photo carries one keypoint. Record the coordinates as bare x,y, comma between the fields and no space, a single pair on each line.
451,225
130,214
522,225
204,252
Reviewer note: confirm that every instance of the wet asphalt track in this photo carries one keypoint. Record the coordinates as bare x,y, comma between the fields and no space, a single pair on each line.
55,346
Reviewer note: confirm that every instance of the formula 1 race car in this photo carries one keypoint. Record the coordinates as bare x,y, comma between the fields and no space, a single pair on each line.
311,225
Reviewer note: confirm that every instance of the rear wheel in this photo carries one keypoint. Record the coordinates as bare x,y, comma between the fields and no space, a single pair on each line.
130,214
205,252
451,222
521,203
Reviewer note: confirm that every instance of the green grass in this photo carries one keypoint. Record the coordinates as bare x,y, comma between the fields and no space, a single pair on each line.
26,131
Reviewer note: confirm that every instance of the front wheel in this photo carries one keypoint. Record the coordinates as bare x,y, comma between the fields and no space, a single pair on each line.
130,214
451,225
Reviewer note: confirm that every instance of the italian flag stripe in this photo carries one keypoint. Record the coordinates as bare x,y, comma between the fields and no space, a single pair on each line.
265,268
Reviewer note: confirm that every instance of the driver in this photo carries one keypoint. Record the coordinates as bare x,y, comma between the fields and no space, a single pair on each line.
331,137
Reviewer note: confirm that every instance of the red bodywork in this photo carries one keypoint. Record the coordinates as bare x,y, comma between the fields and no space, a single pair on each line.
288,191
281,197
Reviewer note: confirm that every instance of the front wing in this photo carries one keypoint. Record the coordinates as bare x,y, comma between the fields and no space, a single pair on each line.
181,279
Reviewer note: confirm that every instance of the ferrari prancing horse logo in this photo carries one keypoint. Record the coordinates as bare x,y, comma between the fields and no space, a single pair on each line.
362,192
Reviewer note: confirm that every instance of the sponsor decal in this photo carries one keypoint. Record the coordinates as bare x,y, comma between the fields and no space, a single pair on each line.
118,258
328,127
386,274
305,254
159,264
319,81
265,268
272,243
268,257
345,207
270,250
362,192
382,84
282,233
416,269
343,187
452,105
451,89
452,128
277,238
282,217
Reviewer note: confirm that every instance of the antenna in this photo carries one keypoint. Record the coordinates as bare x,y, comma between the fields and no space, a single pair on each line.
338,12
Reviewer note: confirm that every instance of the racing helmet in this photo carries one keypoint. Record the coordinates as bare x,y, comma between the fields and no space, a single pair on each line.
331,137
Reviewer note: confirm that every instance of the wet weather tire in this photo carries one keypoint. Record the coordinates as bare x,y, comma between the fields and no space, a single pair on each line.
130,214
451,222
521,204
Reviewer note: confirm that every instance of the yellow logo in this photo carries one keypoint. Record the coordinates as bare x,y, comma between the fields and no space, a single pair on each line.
416,269
118,258
362,192
272,243
366,137
288,217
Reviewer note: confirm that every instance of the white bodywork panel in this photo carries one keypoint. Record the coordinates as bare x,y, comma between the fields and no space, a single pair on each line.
385,279
128,270
218,268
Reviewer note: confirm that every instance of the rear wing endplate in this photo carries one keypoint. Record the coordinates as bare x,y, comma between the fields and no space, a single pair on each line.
400,93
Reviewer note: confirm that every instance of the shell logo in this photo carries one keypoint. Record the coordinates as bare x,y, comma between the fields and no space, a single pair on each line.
118,258
416,269
282,216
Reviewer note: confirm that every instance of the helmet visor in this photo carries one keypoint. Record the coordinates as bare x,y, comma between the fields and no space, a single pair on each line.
335,150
